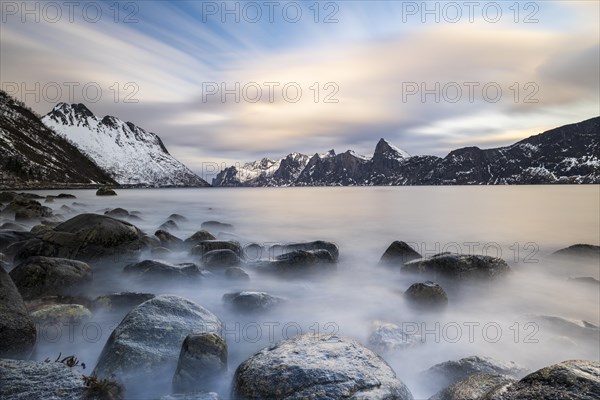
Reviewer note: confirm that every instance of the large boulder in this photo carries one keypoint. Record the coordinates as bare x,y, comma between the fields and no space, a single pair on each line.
568,380
479,386
168,240
25,380
426,296
324,367
143,350
27,209
45,276
17,331
218,260
449,372
458,267
152,269
299,263
202,363
280,249
398,253
104,191
198,237
87,237
249,301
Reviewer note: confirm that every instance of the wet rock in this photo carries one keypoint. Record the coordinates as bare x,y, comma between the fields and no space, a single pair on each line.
104,191
168,240
579,251
388,337
299,263
447,373
66,196
568,380
144,349
218,260
27,209
198,237
152,269
169,225
202,363
398,253
280,250
161,252
251,301
426,296
61,314
87,237
475,387
11,226
24,380
236,274
45,276
7,197
40,229
210,245
459,267
17,331
217,226
177,218
121,301
119,213
323,367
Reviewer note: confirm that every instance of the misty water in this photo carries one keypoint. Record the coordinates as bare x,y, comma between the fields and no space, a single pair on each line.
521,224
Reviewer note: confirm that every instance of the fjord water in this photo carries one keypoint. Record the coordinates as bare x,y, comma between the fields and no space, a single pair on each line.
521,224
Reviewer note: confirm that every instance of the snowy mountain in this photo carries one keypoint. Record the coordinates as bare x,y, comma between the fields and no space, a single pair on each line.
128,153
568,154
34,156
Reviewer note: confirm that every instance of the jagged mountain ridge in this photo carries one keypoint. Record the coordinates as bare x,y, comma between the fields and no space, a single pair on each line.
32,155
128,153
568,154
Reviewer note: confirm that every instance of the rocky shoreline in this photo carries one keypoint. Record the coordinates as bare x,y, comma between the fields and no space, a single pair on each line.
49,261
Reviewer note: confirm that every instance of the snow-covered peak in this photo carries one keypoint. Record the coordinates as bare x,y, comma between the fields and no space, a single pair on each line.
355,154
130,154
388,150
330,153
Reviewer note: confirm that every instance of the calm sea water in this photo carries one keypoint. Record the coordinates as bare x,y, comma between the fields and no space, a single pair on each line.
522,224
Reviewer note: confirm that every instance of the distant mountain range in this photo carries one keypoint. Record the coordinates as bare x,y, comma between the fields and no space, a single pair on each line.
128,153
569,154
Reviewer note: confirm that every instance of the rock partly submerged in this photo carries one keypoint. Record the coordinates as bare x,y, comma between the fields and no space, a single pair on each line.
458,267
249,301
398,253
143,350
426,296
323,367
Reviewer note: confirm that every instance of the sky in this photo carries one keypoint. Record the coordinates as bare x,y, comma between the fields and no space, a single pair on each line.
227,82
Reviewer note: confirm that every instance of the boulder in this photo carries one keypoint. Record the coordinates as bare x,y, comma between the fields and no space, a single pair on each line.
61,314
281,249
475,387
447,373
387,337
202,363
168,240
398,253
317,367
144,348
299,263
45,276
458,267
426,296
87,237
198,237
568,380
17,331
579,251
152,269
24,380
66,196
40,230
210,245
104,191
251,301
27,209
216,226
119,213
220,259
236,274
